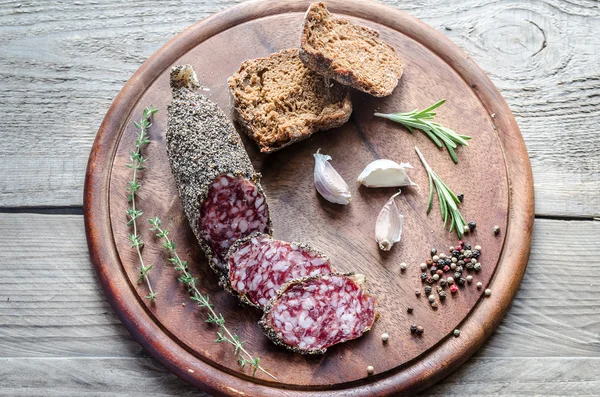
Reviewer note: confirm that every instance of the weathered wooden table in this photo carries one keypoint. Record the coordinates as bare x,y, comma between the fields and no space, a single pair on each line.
62,63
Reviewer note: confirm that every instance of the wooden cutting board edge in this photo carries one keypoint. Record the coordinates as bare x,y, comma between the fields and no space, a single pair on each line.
416,375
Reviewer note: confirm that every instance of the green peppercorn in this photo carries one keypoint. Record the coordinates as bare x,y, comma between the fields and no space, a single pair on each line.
456,333
477,266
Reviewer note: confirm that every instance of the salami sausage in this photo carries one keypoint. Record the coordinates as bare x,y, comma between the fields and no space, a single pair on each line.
259,265
309,315
220,191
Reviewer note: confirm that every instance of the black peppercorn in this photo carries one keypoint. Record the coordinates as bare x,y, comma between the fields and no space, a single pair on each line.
418,292
443,282
443,295
413,328
496,230
433,269
428,289
423,276
461,257
433,251
409,309
462,281
455,253
476,253
467,247
459,269
457,275
472,226
460,197
469,265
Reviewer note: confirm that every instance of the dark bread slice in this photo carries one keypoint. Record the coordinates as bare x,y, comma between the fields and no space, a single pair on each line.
280,101
348,53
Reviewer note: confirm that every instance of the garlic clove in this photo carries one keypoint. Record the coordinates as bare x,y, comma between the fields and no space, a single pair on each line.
385,173
388,229
328,182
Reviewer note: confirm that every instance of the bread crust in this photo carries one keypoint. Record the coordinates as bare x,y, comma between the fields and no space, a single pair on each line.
350,54
278,101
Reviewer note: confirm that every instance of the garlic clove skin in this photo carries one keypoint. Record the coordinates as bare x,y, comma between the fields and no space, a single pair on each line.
328,182
388,229
385,173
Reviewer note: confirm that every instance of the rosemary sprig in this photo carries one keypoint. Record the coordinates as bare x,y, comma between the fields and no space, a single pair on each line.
448,200
440,135
223,333
137,164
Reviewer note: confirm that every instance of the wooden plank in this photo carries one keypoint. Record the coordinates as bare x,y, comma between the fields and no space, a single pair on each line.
55,322
141,377
62,64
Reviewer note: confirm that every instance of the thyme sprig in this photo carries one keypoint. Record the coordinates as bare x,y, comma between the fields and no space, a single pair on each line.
440,135
448,200
137,164
203,301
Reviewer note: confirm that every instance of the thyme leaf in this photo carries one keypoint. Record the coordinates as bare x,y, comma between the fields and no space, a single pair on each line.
203,301
137,164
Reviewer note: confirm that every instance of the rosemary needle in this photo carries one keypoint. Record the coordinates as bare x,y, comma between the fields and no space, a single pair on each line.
440,135
137,164
448,200
223,334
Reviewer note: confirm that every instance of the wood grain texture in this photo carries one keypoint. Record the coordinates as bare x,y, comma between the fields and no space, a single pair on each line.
63,63
548,343
412,363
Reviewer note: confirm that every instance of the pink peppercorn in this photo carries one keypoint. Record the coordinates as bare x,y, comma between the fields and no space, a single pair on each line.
446,268
454,289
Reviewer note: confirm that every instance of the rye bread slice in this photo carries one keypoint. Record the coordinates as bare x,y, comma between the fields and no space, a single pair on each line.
348,53
280,101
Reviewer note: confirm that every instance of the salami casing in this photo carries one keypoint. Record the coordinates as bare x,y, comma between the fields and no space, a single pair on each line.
220,191
259,265
309,315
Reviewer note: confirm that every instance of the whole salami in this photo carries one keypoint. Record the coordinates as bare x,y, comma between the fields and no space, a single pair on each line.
259,265
220,191
309,315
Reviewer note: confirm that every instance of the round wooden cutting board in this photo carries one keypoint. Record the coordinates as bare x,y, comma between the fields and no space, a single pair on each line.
493,173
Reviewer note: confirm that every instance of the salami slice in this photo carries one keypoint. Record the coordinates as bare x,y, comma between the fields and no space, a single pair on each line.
259,265
309,315
219,189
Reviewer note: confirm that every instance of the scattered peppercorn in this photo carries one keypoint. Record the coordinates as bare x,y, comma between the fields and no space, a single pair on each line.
435,258
456,333
459,269
469,278
429,262
429,280
443,282
440,272
453,266
423,266
496,230
420,329
488,292
436,277
446,268
450,280
478,247
454,260
428,289
431,298
433,251
460,197
370,370
476,253
466,229
451,249
462,281
434,305
413,328
472,225
477,266
469,265
479,285
454,289
417,292
403,266
385,337
443,295
423,276
409,309
442,256
457,275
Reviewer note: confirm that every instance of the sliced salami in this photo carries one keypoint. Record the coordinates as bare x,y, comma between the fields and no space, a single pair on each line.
309,315
259,265
219,189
